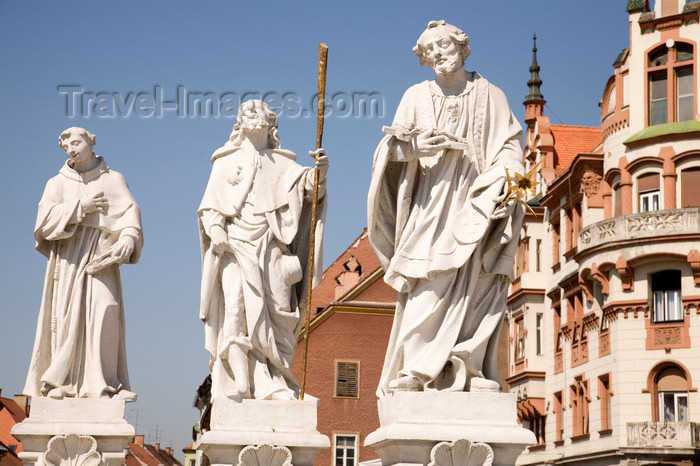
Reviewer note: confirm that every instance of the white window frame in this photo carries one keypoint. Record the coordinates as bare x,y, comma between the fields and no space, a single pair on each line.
344,457
677,396
651,199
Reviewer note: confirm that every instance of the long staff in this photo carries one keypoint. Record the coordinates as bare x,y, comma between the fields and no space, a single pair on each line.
321,100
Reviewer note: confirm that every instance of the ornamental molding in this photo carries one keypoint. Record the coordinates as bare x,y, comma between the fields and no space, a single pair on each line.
461,452
265,455
590,182
72,450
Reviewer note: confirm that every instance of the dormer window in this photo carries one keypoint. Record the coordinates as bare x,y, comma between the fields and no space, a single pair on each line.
671,86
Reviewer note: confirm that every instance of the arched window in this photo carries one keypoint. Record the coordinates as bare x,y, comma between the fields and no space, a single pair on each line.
672,389
670,84
666,296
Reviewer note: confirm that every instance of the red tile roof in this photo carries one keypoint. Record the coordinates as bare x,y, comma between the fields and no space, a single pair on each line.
148,455
10,414
362,251
569,141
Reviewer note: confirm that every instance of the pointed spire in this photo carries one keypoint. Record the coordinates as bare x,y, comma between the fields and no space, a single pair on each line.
534,82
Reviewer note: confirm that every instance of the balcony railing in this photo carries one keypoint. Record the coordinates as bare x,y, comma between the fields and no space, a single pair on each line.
663,434
643,225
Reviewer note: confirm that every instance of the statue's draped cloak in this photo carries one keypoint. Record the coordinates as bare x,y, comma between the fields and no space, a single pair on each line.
80,341
261,200
429,225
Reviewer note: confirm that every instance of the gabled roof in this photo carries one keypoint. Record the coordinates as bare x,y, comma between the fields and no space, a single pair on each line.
569,141
359,253
148,455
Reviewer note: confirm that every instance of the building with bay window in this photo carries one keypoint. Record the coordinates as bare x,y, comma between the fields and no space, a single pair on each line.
604,312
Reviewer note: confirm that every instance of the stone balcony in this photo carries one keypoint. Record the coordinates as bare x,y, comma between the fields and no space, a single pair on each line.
673,222
663,435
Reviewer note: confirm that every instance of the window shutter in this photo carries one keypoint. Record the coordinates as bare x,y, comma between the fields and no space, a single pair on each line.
690,181
648,182
346,379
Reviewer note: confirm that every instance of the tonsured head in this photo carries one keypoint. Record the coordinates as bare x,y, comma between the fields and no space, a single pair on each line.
78,143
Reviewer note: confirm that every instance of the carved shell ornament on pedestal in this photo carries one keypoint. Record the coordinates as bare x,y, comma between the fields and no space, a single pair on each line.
72,450
461,453
265,455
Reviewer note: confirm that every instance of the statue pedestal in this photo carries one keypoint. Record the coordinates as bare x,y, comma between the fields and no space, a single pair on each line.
248,430
419,428
82,429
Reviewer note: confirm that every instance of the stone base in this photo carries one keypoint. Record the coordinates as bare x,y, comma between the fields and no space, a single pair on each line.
276,426
89,428
413,423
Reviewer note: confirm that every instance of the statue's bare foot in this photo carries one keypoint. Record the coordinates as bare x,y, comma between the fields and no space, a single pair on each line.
126,395
406,383
57,393
480,384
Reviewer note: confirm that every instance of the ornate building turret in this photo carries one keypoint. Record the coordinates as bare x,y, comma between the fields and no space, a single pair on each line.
534,101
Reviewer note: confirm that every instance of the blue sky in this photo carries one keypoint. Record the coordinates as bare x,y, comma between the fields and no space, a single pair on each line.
230,48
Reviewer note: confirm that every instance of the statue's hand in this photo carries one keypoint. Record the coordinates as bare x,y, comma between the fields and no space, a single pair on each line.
97,202
219,240
503,211
428,143
123,249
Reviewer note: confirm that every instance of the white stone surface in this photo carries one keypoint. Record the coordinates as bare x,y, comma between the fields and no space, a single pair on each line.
77,422
254,223
237,424
88,224
413,423
438,179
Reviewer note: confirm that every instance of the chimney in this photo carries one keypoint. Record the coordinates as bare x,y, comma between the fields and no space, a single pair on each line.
170,451
138,440
23,402
157,446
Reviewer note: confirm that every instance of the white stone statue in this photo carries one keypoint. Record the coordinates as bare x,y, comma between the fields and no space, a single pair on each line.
254,223
88,224
437,226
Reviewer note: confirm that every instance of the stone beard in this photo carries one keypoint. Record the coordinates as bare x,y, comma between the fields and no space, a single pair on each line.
253,294
80,348
434,225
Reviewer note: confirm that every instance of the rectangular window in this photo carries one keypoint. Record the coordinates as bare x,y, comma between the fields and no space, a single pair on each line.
539,254
605,402
555,242
519,339
345,450
537,426
346,379
658,98
674,405
540,329
685,103
666,296
559,416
